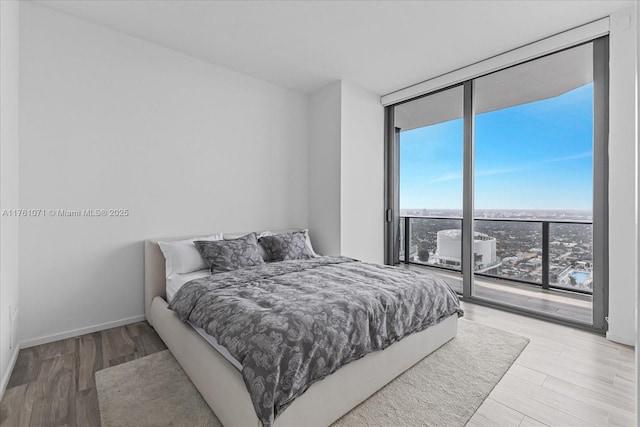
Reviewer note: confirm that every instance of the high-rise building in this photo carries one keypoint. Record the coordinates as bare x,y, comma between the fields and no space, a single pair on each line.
448,252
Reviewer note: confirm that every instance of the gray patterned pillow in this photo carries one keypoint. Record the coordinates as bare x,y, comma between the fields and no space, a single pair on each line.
282,247
228,255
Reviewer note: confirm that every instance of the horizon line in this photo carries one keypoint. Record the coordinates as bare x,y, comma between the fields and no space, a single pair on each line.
506,209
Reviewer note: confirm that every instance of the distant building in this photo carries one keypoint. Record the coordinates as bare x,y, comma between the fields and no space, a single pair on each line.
448,252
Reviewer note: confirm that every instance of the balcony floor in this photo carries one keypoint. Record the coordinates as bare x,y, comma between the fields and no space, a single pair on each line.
569,305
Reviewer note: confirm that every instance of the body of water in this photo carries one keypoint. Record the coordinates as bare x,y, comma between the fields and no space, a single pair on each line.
580,276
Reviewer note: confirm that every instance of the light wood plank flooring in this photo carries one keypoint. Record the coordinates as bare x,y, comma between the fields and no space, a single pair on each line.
565,377
570,305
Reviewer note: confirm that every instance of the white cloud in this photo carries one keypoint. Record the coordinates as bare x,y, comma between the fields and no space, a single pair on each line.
489,172
501,171
572,157
486,172
448,177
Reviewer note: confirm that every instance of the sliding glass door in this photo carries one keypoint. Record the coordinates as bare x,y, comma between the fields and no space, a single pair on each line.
498,185
430,144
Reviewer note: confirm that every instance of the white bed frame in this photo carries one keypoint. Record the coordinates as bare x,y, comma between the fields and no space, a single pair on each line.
223,388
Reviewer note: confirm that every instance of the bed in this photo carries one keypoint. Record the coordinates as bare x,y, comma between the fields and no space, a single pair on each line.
223,388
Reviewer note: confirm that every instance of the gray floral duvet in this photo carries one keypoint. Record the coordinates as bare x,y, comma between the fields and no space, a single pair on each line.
292,323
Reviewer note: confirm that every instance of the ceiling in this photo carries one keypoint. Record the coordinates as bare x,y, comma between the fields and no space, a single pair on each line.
381,46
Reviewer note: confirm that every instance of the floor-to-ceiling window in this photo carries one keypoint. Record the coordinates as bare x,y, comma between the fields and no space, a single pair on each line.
430,139
501,185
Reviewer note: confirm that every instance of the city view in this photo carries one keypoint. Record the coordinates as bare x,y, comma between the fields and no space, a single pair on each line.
506,246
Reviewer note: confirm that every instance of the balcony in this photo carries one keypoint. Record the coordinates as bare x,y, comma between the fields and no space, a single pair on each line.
540,265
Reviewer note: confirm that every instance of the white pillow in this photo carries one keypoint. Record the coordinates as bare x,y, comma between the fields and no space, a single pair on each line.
182,256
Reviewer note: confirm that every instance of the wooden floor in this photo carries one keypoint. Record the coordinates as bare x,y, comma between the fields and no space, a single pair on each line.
565,377
53,384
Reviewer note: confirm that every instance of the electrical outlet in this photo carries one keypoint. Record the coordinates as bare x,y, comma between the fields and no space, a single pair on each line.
13,314
10,327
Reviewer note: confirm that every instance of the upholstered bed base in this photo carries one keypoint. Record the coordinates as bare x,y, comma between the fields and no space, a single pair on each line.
222,386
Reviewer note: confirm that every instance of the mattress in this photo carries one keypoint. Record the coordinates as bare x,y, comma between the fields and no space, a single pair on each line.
214,343
176,281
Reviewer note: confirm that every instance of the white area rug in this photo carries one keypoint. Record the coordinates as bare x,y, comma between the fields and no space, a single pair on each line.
442,390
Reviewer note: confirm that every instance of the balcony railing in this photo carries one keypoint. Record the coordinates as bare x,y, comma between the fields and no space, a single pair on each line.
547,253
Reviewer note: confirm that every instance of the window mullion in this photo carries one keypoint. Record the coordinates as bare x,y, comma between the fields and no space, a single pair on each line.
467,191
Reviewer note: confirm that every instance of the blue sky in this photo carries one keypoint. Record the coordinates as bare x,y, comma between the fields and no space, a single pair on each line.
531,156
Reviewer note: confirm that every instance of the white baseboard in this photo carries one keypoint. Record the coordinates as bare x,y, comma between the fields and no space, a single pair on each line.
81,331
9,371
621,339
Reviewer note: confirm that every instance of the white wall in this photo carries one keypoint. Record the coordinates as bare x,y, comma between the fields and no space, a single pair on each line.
9,191
622,177
637,278
362,175
346,172
112,121
325,128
